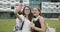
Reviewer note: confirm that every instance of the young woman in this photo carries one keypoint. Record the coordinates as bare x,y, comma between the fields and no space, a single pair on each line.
23,21
38,21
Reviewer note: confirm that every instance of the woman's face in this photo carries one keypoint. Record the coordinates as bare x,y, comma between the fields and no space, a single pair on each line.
27,11
35,12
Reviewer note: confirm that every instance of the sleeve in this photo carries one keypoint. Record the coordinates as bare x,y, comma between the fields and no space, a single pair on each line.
22,17
18,23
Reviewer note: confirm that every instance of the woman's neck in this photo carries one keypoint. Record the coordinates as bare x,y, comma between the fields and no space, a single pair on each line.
26,16
37,16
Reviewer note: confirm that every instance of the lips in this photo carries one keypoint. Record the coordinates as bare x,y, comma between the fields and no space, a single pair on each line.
34,13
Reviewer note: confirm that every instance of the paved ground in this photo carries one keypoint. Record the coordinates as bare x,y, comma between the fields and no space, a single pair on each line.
51,18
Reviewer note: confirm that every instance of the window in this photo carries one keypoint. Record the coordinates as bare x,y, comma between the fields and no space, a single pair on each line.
12,1
8,5
8,0
17,0
36,0
54,0
21,1
12,7
5,0
16,4
0,5
4,6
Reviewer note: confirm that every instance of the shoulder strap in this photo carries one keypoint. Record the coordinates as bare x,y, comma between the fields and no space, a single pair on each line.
22,25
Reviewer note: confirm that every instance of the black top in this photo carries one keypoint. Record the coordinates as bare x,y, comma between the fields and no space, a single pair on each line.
37,24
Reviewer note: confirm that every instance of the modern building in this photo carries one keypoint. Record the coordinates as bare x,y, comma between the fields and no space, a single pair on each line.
8,6
34,3
49,8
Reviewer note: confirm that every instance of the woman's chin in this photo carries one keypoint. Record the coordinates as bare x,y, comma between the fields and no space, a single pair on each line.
27,13
34,14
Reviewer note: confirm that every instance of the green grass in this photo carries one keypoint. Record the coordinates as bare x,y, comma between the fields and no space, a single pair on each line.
54,24
7,25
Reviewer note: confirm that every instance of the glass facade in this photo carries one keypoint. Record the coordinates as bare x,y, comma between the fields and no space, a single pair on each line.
50,15
38,3
12,4
21,1
46,0
35,3
7,15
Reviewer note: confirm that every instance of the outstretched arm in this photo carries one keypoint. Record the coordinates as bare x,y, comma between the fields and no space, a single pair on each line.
16,12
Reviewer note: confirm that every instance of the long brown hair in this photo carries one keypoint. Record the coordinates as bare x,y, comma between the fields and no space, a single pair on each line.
30,15
39,11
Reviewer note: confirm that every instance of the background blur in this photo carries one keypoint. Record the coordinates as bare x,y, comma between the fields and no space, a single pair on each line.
50,11
49,8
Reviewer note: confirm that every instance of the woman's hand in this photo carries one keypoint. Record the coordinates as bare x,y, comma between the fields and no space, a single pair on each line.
19,7
32,25
16,12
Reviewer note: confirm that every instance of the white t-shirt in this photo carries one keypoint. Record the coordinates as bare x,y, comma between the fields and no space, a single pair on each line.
26,26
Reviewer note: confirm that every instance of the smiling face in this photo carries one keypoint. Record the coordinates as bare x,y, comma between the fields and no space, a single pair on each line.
36,11
27,11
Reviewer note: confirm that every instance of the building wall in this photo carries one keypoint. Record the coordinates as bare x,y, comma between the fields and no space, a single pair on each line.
8,6
50,9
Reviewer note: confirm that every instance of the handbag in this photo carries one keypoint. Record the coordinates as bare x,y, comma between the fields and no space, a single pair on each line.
50,29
